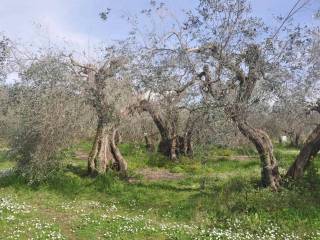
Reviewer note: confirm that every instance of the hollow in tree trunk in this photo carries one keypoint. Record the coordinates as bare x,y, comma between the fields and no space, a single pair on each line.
307,153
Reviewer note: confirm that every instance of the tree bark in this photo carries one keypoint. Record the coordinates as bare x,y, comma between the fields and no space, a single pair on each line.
165,147
188,147
270,176
296,140
163,130
119,162
171,145
118,138
100,155
105,153
149,145
173,148
247,81
307,153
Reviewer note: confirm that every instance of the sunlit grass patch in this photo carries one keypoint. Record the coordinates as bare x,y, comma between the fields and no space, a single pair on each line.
213,198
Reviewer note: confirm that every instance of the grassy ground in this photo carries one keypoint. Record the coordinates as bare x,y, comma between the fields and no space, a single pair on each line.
216,195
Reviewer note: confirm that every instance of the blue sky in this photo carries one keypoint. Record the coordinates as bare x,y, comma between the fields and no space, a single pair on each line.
76,23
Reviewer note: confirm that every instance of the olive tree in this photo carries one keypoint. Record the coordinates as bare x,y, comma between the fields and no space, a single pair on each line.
235,66
310,82
106,91
50,112
165,79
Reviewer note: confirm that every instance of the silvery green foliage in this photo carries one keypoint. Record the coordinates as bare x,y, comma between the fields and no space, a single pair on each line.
51,115
4,54
5,112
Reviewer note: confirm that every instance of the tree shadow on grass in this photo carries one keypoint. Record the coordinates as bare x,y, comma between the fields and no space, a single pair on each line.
77,170
165,186
158,160
61,183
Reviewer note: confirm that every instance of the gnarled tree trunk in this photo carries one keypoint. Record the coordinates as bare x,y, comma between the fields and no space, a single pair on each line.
247,81
105,153
269,173
120,164
307,153
171,144
100,154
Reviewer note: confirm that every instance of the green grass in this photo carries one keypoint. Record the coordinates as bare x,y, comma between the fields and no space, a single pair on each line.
217,197
4,163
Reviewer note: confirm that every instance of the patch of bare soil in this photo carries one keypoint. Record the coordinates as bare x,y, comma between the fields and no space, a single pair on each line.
244,157
237,158
157,174
147,173
81,155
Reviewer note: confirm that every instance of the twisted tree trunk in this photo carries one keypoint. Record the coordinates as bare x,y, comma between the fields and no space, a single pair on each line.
100,154
307,153
270,176
247,81
105,153
120,164
171,145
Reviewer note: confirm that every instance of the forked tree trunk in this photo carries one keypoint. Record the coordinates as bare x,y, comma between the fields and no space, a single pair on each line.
105,153
171,145
307,153
270,176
